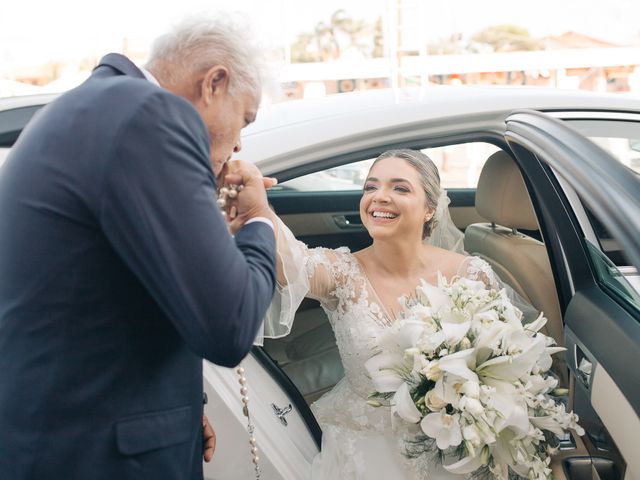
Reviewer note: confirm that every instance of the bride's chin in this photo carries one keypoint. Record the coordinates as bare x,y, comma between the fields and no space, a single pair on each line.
381,233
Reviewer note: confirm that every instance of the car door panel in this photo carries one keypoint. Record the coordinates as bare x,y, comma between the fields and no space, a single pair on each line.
601,334
285,448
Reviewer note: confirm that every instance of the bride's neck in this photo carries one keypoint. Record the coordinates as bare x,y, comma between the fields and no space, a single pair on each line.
398,258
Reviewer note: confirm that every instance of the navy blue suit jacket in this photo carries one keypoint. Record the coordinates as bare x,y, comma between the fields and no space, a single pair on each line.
117,275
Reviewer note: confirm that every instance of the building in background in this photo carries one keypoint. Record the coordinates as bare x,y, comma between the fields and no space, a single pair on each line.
344,54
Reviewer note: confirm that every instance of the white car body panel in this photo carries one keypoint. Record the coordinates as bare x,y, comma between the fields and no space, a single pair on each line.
285,452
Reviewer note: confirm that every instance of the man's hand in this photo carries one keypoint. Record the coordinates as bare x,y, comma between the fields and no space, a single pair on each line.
252,201
209,439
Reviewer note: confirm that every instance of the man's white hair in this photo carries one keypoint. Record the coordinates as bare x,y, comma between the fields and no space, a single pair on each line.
199,42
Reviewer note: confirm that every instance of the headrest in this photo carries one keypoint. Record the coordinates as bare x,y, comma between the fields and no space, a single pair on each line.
502,196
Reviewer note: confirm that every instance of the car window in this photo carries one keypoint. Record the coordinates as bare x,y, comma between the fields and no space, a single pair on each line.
611,267
459,167
621,139
4,153
615,280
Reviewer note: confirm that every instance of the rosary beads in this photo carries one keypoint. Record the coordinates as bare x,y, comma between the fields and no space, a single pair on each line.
231,191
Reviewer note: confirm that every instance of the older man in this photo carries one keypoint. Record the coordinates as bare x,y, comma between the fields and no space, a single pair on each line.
117,272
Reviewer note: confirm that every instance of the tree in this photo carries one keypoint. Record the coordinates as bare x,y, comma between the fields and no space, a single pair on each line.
330,39
504,38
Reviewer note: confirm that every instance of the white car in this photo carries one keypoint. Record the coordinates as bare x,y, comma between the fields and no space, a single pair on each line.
558,217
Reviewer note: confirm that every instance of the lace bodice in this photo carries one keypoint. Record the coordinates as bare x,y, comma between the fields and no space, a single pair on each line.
354,309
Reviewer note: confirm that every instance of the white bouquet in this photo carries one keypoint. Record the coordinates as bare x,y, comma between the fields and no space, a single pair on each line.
460,363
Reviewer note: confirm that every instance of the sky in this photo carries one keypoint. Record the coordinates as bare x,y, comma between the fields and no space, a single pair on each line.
38,31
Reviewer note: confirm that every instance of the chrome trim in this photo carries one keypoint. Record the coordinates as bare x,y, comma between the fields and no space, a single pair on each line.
281,412
595,115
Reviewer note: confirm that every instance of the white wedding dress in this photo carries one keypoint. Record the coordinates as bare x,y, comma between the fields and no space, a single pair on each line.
359,441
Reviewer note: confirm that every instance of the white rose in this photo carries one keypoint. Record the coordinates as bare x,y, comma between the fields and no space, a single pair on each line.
432,371
433,401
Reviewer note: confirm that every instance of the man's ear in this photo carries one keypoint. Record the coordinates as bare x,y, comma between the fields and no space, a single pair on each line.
215,82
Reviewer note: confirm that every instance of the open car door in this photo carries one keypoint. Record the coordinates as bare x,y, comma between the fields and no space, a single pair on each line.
580,189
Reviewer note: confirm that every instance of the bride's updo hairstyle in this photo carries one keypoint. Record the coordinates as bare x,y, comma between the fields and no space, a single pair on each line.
429,179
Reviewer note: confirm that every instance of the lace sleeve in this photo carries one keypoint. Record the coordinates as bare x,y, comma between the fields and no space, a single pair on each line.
302,272
475,268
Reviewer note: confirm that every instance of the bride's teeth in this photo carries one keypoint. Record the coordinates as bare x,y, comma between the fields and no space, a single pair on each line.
384,215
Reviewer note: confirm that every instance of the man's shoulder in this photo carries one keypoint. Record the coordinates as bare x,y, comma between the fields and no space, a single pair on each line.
131,99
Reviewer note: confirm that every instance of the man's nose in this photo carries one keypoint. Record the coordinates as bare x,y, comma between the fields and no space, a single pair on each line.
238,147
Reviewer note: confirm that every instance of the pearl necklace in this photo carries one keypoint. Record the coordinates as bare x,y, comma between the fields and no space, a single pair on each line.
231,191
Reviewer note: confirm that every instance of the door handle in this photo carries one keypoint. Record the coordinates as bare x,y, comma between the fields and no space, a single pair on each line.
348,222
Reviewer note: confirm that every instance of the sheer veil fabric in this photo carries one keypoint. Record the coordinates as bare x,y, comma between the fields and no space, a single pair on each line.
445,234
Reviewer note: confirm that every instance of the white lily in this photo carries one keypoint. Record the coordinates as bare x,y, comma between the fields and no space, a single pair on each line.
537,384
545,360
503,450
445,390
460,364
511,368
403,405
425,315
437,298
430,343
444,428
484,319
512,408
537,324
454,332
547,423
464,466
472,435
382,370
409,332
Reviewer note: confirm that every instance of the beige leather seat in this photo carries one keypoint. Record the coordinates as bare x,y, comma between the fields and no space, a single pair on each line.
309,354
519,260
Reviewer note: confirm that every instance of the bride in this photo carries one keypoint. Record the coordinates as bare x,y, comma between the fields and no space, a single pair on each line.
405,212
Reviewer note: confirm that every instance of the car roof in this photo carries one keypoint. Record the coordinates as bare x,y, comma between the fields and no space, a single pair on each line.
9,103
295,128
440,99
309,129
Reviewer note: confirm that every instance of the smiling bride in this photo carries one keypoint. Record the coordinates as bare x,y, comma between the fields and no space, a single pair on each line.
405,211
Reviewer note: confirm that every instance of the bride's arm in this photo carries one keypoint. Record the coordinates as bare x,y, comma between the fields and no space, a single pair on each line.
301,272
476,268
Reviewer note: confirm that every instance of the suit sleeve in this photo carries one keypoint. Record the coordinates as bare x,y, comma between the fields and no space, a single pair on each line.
158,209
